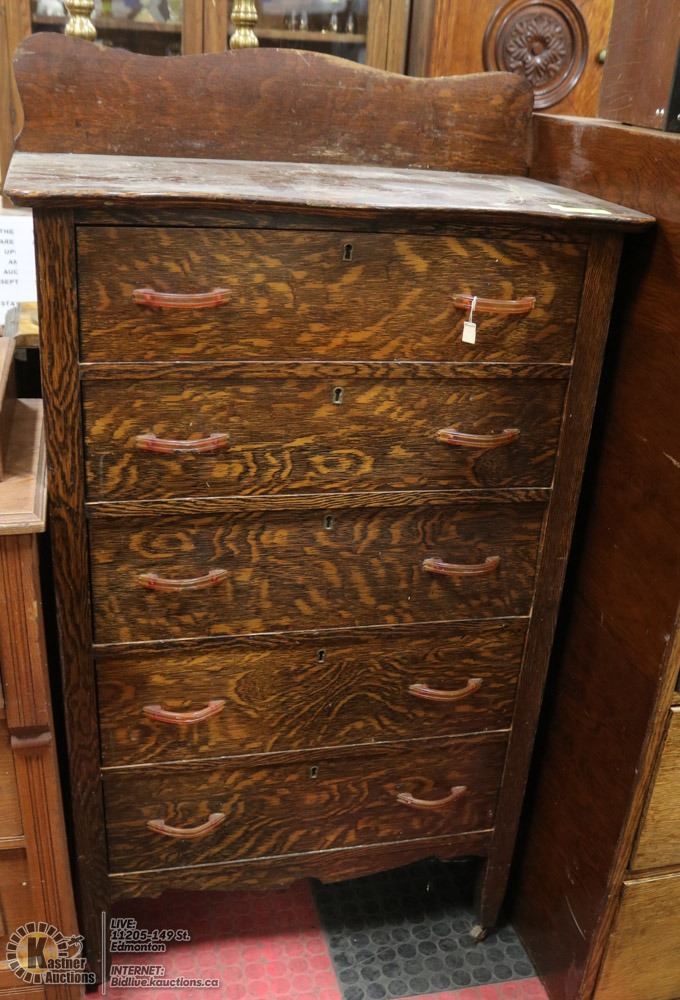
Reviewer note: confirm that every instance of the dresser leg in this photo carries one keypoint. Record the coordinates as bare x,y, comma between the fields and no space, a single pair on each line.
489,895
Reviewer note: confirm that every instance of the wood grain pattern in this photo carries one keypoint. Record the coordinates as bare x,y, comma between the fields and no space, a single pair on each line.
348,803
658,844
291,570
315,693
620,657
475,123
315,435
294,296
642,961
10,816
58,358
331,191
593,326
328,866
641,67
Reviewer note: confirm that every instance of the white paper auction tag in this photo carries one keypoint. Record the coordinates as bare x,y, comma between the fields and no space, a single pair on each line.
469,332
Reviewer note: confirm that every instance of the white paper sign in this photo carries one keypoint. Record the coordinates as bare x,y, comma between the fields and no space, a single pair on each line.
17,260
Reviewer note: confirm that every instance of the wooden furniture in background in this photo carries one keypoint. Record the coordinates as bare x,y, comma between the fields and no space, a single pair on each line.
559,45
641,84
615,673
335,290
35,880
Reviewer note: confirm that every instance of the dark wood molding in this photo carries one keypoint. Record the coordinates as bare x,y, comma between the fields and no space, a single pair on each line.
59,364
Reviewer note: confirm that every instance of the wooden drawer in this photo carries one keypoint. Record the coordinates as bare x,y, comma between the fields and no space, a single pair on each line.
642,960
293,295
291,693
659,841
16,905
296,569
299,807
309,434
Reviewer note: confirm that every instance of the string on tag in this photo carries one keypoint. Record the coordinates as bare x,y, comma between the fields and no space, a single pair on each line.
469,326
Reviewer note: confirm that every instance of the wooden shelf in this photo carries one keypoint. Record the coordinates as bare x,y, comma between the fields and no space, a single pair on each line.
116,24
325,37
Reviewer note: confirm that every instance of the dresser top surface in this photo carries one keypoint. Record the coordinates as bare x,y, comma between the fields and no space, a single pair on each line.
94,180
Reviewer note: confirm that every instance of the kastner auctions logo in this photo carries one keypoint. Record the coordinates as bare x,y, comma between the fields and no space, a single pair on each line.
40,955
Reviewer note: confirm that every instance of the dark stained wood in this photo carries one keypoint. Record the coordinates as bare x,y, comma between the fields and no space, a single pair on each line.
315,435
328,866
247,186
58,358
279,810
316,693
642,63
593,324
295,296
617,666
260,104
290,570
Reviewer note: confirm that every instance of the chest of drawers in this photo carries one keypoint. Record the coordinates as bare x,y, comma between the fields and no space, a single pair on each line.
309,528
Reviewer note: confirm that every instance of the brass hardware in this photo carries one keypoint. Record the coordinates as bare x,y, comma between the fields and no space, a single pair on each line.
329,522
320,655
348,251
337,395
79,24
244,19
601,56
314,771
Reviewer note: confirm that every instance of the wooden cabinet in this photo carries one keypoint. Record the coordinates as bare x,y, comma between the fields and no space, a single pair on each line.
35,882
597,899
309,625
558,45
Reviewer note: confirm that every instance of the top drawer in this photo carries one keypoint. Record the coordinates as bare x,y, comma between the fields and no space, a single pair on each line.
335,296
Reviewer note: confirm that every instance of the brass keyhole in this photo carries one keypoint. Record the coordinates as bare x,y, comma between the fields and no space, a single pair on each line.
314,771
347,251
337,395
321,655
329,522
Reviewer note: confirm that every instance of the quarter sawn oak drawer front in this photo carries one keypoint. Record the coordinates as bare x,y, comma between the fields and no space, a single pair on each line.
262,696
158,577
249,295
294,808
152,439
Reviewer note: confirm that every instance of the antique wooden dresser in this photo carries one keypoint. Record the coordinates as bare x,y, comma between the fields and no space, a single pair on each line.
317,409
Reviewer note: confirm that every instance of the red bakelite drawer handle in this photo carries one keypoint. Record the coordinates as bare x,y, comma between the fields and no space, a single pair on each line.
152,581
502,307
461,569
173,300
437,694
187,832
406,799
160,714
449,435
169,446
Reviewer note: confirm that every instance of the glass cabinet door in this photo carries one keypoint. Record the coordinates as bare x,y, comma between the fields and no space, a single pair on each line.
155,27
373,32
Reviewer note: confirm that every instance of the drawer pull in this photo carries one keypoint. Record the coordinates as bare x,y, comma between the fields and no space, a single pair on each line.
449,435
406,799
187,832
502,307
437,694
168,446
152,581
160,714
461,569
173,300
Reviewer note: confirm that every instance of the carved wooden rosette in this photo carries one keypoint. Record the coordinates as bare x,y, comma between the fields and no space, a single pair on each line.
544,40
79,24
